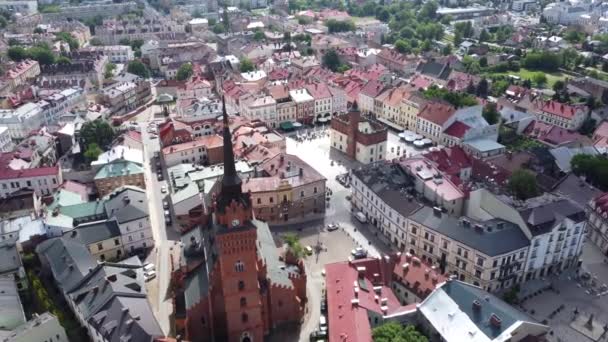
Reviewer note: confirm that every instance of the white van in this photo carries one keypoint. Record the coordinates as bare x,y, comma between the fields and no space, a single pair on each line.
149,267
361,217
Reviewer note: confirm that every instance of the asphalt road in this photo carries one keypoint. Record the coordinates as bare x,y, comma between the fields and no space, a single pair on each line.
165,237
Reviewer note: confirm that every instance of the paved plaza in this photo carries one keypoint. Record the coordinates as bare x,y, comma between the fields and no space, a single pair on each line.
572,298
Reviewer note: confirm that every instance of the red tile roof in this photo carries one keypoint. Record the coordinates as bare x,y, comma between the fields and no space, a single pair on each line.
208,141
372,89
437,112
7,173
559,109
601,130
346,281
601,203
318,90
450,160
457,129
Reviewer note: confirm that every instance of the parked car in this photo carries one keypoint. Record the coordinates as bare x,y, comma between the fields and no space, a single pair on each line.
149,275
323,323
149,267
168,219
158,164
323,306
318,335
163,189
359,253
308,250
332,226
159,176
165,205
361,217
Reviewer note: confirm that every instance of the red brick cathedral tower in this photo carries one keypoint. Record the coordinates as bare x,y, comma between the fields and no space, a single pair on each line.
236,291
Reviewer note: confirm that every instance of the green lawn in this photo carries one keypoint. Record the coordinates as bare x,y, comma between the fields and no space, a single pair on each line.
523,73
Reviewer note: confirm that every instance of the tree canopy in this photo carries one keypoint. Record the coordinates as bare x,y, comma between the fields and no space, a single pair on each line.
247,65
331,60
522,184
138,68
395,332
456,99
184,72
334,26
490,113
97,132
294,246
92,152
594,168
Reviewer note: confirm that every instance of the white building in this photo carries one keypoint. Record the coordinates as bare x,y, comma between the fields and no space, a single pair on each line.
263,108
116,53
6,144
129,207
23,120
24,7
554,225
567,13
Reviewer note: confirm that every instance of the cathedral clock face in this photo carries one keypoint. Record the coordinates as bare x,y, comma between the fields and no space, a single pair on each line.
235,223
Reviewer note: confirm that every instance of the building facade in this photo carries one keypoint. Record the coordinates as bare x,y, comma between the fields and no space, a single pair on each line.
361,139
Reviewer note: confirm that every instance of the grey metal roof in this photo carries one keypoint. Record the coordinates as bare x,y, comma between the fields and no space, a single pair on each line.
464,294
278,271
392,185
11,311
541,218
112,299
563,155
69,260
197,287
127,204
491,240
9,256
95,232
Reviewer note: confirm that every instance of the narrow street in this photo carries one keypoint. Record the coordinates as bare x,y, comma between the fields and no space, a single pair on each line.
165,237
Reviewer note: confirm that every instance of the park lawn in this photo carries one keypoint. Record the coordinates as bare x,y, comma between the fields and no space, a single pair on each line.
524,73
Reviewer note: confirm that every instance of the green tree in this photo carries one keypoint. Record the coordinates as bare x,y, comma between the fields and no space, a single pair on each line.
184,72
559,86
402,46
97,132
17,53
490,113
109,70
429,10
92,152
446,50
258,36
334,26
587,127
331,60
138,68
539,78
247,65
396,332
124,41
218,28
484,36
95,42
294,246
63,60
44,56
68,38
482,88
136,44
522,184
483,62
343,68
499,87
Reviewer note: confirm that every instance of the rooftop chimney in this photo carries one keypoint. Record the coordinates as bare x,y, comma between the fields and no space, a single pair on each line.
495,321
476,305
